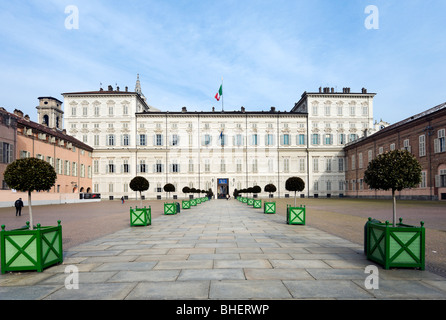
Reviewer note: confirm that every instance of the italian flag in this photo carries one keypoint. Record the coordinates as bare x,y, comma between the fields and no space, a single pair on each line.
219,93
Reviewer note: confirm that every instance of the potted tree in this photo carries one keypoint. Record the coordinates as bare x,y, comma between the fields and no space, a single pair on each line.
30,248
250,201
396,244
295,215
186,203
257,202
140,216
139,184
193,201
170,208
269,206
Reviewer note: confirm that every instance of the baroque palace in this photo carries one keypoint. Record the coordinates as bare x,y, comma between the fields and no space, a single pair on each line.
218,150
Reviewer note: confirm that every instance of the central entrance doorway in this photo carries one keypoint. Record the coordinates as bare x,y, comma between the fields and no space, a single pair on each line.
222,188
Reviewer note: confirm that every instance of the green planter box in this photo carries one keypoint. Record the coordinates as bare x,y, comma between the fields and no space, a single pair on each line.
198,200
25,249
186,204
140,216
269,207
245,200
257,204
170,208
295,215
193,202
402,246
239,198
250,202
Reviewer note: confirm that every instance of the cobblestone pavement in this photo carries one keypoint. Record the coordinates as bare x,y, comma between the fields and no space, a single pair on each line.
219,250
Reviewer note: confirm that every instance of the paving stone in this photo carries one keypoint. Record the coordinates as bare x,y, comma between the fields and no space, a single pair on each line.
248,289
174,290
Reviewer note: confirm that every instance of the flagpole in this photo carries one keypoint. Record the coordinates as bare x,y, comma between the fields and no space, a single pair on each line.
222,106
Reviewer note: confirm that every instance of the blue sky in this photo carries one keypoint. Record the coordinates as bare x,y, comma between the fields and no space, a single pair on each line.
267,52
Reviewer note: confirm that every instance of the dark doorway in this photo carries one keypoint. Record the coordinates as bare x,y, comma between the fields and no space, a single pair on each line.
222,188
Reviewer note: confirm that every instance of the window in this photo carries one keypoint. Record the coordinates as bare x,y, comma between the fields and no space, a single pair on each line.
254,139
315,139
207,166
96,139
269,139
315,164
74,169
360,161
353,137
286,165
223,141
110,167
439,143
142,140
206,140
96,111
254,165
158,166
175,139
423,179
125,109
82,171
222,165
328,139
142,166
175,167
125,166
111,140
239,165
159,140
328,164
238,140
341,164
67,168
406,145
342,138
422,145
301,139
286,139
125,140
353,162
302,164
191,165
96,166
6,152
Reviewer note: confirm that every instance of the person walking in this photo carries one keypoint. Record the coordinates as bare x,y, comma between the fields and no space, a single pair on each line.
122,200
18,207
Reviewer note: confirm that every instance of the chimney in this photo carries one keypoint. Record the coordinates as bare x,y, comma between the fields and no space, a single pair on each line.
18,113
364,90
320,89
126,89
273,109
101,89
242,108
213,109
183,109
110,88
117,88
27,117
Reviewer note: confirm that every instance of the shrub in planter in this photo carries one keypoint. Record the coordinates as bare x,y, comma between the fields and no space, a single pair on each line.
396,245
295,215
139,184
186,204
140,216
269,207
31,248
257,203
170,208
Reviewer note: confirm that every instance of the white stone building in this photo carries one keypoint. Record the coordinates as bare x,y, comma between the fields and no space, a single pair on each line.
218,150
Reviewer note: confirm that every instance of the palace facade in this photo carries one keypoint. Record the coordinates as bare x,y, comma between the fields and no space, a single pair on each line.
218,150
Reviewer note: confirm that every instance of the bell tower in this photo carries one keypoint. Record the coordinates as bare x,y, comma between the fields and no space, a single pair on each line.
49,112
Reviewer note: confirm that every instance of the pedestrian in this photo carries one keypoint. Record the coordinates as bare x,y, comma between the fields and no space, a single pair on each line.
18,207
122,200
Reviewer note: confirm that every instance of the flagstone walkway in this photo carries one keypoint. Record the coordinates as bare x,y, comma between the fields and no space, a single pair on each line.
219,250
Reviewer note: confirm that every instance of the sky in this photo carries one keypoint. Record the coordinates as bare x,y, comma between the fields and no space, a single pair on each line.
266,53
